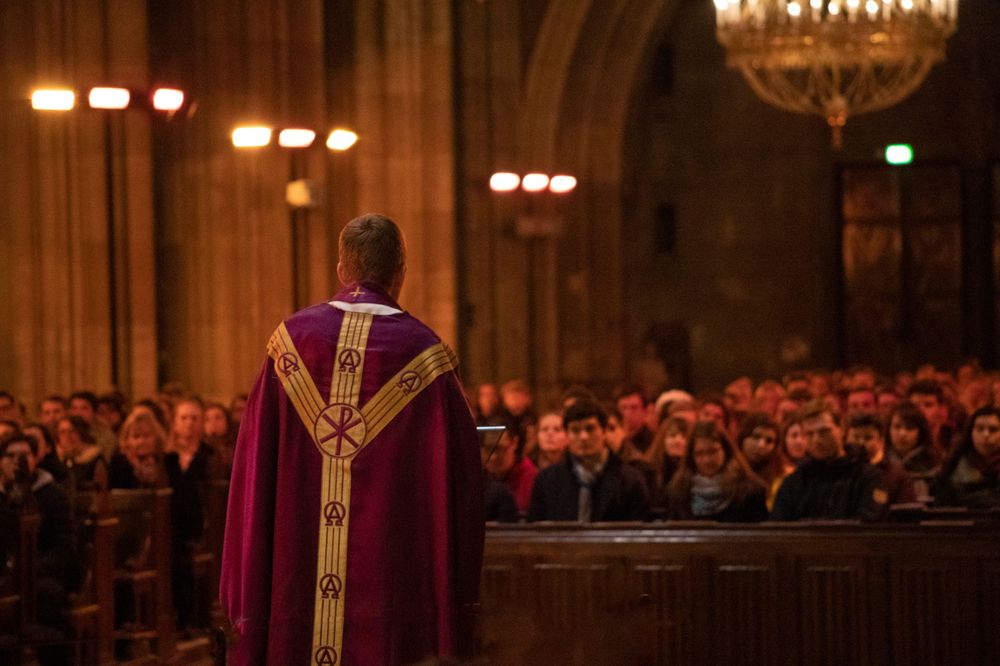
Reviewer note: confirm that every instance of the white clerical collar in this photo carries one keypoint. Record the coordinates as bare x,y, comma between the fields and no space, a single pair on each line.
366,308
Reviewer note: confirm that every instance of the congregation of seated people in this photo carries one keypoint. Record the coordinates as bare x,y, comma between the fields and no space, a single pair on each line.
844,446
84,443
814,446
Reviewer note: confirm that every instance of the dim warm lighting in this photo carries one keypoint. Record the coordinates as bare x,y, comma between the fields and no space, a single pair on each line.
251,136
899,154
167,99
856,57
534,182
341,139
296,138
562,184
53,99
109,98
504,181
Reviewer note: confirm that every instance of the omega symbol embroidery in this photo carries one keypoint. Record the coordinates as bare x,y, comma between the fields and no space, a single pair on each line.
349,360
288,363
326,656
334,513
409,382
330,585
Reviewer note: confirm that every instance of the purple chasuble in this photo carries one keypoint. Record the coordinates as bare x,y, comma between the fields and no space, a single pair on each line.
415,531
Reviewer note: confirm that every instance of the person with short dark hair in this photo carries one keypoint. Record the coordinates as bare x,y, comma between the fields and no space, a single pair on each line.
57,565
711,484
52,408
9,408
971,475
47,457
79,454
865,433
487,404
574,393
111,410
510,466
83,405
9,427
593,484
829,484
929,397
631,402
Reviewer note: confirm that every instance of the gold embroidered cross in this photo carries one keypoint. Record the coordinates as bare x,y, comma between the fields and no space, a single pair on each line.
357,292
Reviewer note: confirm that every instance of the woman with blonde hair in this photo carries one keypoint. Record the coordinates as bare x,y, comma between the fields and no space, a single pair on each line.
138,462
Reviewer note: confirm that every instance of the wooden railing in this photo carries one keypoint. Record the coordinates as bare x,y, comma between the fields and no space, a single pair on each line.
763,594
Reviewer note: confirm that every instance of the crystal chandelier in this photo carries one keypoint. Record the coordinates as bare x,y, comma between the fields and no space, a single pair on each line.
834,58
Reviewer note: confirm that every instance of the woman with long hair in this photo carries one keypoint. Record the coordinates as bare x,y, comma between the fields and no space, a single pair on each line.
791,452
712,483
758,442
971,475
910,443
666,453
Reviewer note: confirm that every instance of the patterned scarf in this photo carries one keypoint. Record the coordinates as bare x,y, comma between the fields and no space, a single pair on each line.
706,495
587,478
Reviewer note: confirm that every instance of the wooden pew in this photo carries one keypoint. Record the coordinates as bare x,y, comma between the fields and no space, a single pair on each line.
142,573
681,593
209,559
92,611
17,584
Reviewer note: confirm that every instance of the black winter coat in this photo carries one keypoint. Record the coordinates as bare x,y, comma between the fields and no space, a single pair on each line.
847,488
619,493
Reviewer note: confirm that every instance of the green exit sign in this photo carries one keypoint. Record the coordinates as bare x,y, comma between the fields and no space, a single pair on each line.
899,153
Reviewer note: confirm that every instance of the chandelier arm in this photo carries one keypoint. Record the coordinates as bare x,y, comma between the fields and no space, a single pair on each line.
827,65
766,94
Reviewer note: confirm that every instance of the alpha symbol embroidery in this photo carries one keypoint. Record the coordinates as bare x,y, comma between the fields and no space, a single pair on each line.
334,512
330,585
349,360
326,656
409,382
288,363
340,430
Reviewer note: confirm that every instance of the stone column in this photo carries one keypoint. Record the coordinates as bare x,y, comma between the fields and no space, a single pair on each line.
76,268
405,159
230,265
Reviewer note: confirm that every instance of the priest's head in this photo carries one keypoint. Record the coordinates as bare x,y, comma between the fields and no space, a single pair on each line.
372,249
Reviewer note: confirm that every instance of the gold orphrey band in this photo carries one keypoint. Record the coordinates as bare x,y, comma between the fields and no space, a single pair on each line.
339,430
